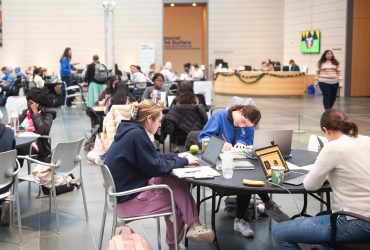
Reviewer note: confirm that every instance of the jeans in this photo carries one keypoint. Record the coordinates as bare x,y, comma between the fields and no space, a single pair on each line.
329,92
316,230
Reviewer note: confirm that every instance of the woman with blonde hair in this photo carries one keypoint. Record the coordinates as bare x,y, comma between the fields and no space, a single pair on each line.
134,163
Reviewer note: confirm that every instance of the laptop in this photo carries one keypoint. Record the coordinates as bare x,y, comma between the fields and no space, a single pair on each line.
271,156
266,138
213,150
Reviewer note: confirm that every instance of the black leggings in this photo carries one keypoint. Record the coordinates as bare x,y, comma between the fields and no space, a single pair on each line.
242,203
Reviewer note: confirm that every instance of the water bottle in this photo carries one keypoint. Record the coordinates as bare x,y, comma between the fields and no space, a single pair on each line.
14,121
155,96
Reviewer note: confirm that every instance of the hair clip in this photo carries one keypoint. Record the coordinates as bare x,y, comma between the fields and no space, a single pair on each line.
134,112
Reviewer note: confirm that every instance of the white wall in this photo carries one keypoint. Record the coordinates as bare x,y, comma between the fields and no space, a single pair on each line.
35,32
328,16
245,32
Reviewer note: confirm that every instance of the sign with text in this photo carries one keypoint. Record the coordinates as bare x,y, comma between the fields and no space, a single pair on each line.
147,56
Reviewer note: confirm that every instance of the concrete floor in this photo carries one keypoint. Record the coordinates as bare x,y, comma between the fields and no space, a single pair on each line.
39,232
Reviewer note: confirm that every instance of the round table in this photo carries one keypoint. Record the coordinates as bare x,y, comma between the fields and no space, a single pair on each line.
21,142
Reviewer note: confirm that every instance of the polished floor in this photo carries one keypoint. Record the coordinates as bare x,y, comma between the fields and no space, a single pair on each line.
39,231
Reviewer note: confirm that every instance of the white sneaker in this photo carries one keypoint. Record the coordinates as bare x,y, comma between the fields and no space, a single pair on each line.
243,227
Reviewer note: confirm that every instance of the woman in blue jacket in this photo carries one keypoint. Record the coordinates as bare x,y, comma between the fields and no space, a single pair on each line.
66,72
134,163
236,127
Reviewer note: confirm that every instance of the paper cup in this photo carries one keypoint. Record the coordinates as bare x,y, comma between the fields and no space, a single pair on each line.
277,175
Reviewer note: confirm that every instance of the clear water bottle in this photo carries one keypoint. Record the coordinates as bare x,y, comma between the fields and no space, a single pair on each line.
14,121
155,96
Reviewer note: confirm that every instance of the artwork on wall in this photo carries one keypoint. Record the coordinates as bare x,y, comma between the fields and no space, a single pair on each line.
310,42
1,25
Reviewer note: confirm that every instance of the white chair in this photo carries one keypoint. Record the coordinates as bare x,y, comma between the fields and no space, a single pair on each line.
9,177
76,90
65,159
110,203
314,143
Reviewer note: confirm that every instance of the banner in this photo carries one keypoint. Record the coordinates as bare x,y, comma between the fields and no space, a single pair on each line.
147,56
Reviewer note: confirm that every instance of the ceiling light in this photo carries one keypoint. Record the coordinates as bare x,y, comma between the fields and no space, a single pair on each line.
194,4
172,5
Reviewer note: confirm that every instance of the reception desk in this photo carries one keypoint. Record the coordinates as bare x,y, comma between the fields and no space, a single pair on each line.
278,83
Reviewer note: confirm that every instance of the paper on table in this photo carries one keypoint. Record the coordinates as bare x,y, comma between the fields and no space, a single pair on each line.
195,171
291,166
28,134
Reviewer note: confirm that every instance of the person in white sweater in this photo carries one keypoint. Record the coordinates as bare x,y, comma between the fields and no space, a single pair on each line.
344,162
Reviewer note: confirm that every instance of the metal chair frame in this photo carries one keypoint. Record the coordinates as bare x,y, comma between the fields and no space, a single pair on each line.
110,203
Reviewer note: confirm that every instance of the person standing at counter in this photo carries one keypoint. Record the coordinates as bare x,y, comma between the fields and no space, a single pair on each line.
344,163
236,127
328,77
267,65
293,66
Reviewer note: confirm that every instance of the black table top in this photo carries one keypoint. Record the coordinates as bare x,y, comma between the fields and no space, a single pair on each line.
235,184
23,141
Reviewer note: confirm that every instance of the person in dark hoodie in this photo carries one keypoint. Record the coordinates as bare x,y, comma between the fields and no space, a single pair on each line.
37,118
134,163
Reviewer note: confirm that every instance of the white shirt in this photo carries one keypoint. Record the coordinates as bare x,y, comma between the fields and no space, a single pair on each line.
345,162
39,82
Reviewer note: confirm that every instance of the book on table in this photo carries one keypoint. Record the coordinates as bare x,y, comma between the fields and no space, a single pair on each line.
194,172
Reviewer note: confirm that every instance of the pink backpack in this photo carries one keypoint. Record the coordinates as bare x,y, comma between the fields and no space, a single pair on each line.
127,241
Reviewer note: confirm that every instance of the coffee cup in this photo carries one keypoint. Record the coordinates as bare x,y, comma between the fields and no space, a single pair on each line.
204,144
277,175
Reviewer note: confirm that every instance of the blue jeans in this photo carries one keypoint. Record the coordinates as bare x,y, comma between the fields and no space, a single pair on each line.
316,230
329,93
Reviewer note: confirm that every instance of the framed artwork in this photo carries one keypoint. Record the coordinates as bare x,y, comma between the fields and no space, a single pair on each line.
1,24
269,157
310,42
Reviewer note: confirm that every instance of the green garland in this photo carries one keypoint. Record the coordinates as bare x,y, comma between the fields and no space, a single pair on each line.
255,77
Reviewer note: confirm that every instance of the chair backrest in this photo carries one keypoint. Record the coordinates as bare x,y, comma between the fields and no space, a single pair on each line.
313,142
67,154
192,139
236,100
7,160
205,88
109,186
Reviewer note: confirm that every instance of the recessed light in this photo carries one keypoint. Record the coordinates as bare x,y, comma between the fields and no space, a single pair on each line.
172,5
194,4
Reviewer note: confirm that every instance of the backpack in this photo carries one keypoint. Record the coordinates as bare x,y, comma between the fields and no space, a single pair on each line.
101,73
130,241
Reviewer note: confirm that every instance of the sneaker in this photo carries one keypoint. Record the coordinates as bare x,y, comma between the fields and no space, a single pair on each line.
243,227
276,214
5,213
201,234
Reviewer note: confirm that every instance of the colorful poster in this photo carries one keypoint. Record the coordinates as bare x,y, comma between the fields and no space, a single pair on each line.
1,25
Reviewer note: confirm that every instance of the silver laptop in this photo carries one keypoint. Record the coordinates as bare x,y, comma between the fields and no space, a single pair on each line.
213,150
266,138
271,156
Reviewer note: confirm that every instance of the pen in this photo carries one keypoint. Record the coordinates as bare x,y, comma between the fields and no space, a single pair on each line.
223,138
194,171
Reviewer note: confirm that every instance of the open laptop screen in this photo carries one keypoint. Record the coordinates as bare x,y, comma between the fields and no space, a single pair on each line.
213,150
269,157
266,138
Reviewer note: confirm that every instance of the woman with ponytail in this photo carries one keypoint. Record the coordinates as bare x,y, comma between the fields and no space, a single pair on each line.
134,163
344,162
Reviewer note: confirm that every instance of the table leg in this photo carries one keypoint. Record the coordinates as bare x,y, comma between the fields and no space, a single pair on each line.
328,203
304,209
213,219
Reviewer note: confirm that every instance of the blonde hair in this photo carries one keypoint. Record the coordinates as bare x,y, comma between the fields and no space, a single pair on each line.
140,111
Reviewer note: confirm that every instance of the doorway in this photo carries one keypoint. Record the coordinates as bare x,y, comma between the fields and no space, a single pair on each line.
185,34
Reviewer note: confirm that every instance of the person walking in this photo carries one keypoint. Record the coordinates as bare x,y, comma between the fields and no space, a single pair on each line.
328,77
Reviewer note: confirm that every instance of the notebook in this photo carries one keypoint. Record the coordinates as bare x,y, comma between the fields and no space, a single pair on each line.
266,138
271,156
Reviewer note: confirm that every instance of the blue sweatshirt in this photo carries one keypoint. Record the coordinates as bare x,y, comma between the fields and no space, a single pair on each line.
219,125
65,68
132,159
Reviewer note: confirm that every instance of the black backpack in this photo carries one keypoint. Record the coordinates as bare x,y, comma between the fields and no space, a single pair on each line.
101,73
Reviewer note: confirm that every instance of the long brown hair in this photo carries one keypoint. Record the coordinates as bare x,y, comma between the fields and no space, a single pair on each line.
66,54
337,120
185,94
249,111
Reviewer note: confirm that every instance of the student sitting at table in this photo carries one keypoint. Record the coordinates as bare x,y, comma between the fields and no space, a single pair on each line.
37,78
267,65
158,84
236,127
38,119
344,162
134,163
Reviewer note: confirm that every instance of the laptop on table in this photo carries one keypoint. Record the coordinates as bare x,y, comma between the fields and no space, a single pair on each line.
266,138
271,156
213,150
